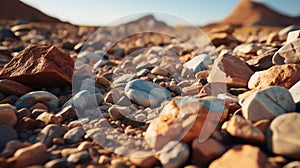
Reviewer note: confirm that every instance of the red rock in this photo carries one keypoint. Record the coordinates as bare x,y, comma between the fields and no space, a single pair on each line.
223,38
10,87
40,66
231,70
245,156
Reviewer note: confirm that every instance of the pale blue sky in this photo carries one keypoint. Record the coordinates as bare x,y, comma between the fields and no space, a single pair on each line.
100,12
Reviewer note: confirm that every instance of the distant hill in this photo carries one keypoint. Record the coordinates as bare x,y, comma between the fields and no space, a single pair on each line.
145,23
15,9
249,12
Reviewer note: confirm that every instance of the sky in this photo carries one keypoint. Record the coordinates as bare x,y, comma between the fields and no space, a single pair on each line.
108,12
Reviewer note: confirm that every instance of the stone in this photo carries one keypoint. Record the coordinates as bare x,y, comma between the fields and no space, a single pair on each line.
11,147
241,128
143,159
263,61
250,48
6,33
50,132
65,152
288,29
67,113
118,112
213,89
268,103
292,36
145,93
78,157
174,154
7,134
184,119
57,163
11,99
295,92
31,98
10,87
245,156
8,115
191,90
223,38
74,135
31,155
283,136
49,118
25,124
230,70
288,54
124,101
40,66
278,75
293,164
159,71
198,63
207,151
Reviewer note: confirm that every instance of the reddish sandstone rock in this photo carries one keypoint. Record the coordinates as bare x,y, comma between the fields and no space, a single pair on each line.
40,66
231,70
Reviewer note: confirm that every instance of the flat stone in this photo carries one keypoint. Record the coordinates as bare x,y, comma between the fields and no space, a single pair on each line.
292,36
31,98
278,75
288,54
250,48
268,103
159,71
10,87
283,136
74,135
49,118
184,119
230,70
67,113
78,157
288,29
7,134
143,158
8,115
174,154
223,38
40,66
295,92
31,155
245,156
198,63
241,128
263,61
213,89
57,163
145,93
118,112
50,132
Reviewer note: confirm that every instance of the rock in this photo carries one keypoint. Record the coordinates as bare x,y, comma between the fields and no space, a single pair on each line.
159,71
10,87
288,54
40,66
191,90
198,63
67,113
8,115
207,151
11,147
278,75
295,92
49,118
145,93
26,123
283,136
9,99
293,164
262,62
57,163
31,98
174,154
31,155
118,112
124,101
288,29
250,48
268,103
142,159
223,38
241,128
213,89
183,119
245,156
74,135
7,134
50,132
78,157
230,70
273,38
292,36
6,33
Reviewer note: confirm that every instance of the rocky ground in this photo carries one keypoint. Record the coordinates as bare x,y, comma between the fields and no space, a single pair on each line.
72,99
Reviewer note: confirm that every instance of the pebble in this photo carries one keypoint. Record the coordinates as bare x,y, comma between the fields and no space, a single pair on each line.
118,112
57,163
174,154
10,87
293,164
67,113
11,99
245,156
50,132
295,92
145,93
288,29
31,98
263,61
283,136
31,155
7,134
143,158
78,157
198,63
292,36
49,118
74,135
159,71
268,103
288,54
230,70
8,115
11,147
250,48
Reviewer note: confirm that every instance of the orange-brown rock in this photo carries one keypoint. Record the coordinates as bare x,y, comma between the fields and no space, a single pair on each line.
279,75
245,156
231,70
40,66
185,119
